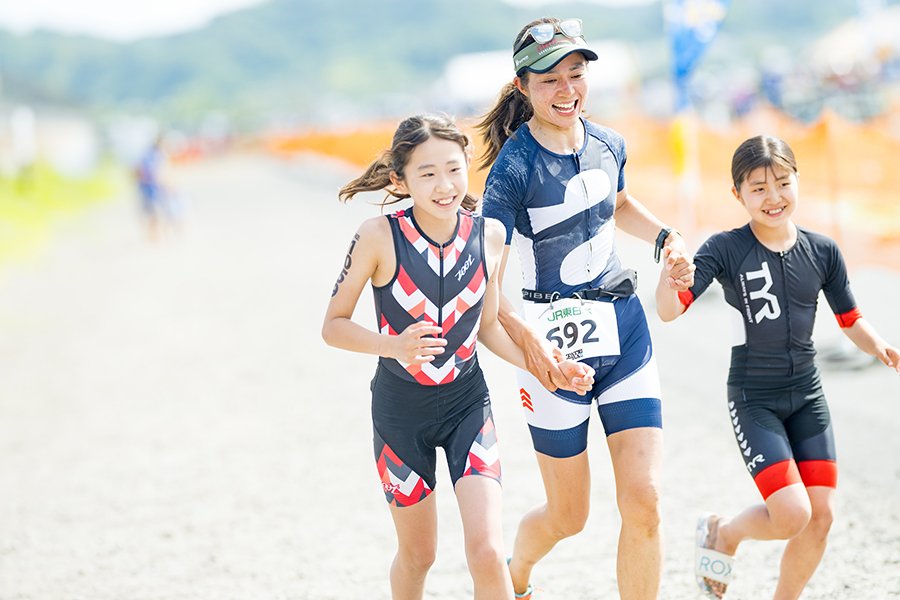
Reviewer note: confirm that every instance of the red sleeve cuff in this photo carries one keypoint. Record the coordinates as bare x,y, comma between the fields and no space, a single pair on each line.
849,318
687,298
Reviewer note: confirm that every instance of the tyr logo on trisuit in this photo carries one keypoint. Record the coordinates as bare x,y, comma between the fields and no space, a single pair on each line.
771,310
759,458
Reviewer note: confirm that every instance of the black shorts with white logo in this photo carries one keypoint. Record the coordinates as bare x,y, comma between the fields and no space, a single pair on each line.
783,429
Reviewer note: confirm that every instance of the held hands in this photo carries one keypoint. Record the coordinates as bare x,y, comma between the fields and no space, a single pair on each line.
580,377
414,345
552,371
678,269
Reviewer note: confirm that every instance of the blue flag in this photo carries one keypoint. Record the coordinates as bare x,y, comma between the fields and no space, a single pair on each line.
691,26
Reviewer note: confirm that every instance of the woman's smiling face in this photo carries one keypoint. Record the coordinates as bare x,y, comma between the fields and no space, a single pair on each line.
558,96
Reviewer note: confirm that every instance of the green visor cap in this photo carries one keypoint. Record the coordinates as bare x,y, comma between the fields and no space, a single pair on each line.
540,58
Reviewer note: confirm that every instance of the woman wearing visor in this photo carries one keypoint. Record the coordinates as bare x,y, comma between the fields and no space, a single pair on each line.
557,184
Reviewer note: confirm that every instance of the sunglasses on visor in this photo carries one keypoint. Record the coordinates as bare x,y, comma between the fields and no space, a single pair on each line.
544,32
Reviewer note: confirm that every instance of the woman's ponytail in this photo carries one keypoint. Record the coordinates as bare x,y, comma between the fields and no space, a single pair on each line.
511,110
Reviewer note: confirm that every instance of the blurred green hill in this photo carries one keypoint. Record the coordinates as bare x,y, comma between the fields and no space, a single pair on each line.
296,55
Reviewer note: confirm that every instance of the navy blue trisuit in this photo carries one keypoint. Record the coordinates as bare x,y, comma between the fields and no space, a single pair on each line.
559,209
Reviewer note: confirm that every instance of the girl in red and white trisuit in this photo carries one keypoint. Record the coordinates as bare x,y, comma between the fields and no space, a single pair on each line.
433,269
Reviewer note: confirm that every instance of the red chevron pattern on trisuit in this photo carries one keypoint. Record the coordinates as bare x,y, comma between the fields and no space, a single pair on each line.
411,298
526,399
425,290
402,486
432,253
468,298
484,455
386,327
467,348
428,374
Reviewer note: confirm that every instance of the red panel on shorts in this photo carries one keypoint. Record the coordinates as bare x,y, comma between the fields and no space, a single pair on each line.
819,472
390,464
778,476
484,456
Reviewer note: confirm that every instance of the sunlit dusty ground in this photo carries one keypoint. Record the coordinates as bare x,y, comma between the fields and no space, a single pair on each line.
172,425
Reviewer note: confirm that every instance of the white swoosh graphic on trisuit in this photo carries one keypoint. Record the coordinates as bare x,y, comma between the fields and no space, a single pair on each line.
590,258
574,202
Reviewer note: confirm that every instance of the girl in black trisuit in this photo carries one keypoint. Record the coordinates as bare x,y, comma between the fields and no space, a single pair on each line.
771,271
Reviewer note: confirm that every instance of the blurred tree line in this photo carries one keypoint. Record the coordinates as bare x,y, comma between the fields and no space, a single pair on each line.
297,55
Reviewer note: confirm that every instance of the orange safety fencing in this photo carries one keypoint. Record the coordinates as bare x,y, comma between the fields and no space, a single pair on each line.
849,174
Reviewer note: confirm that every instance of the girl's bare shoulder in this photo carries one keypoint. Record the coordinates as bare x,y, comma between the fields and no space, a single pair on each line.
494,235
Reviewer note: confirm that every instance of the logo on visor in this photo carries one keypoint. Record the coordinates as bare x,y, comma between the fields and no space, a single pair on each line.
552,44
521,60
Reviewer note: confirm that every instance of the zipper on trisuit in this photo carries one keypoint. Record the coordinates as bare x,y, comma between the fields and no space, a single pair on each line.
787,314
587,205
441,292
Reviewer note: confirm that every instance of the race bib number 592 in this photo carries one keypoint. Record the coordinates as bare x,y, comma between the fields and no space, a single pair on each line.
580,329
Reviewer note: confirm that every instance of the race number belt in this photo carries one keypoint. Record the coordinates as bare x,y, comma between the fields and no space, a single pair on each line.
578,325
621,286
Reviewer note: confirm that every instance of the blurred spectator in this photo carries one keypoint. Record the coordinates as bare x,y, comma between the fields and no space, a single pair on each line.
161,204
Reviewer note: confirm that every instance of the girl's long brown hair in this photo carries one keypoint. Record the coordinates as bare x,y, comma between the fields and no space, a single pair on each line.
412,132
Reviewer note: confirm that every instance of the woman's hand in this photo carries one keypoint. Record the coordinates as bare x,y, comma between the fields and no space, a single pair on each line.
542,364
579,375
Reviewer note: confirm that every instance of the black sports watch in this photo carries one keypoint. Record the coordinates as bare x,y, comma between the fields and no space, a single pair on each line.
660,240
